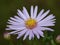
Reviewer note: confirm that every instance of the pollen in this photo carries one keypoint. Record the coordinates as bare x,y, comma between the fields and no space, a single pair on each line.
30,23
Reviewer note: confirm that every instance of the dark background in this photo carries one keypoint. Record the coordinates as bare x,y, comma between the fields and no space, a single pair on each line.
8,8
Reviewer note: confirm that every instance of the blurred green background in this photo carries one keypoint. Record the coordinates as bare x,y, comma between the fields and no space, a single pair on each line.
8,8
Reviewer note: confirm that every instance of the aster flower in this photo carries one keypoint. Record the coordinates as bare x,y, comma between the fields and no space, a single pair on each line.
30,25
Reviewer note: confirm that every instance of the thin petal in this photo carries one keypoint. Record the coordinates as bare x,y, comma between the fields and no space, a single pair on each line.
40,13
44,28
27,33
46,23
12,32
32,12
18,18
14,22
11,28
40,32
25,12
50,17
21,14
20,25
43,15
15,26
35,12
15,32
31,35
36,34
21,33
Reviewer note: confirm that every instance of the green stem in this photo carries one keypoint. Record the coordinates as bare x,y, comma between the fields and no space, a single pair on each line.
44,39
10,42
52,42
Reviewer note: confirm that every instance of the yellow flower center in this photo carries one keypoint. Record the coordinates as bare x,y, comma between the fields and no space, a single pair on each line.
30,23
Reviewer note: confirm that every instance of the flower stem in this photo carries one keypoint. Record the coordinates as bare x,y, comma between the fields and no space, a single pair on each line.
52,42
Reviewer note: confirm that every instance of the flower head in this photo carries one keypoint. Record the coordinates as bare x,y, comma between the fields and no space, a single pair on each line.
30,25
7,36
58,39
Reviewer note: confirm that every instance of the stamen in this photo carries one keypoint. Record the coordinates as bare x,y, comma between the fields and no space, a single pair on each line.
30,23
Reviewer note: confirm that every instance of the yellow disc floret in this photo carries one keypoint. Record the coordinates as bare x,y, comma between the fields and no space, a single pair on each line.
30,23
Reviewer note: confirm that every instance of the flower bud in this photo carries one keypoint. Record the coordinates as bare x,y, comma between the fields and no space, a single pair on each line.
7,36
58,39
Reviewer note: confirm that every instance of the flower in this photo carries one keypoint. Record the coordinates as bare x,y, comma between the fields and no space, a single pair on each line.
58,39
30,25
7,36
